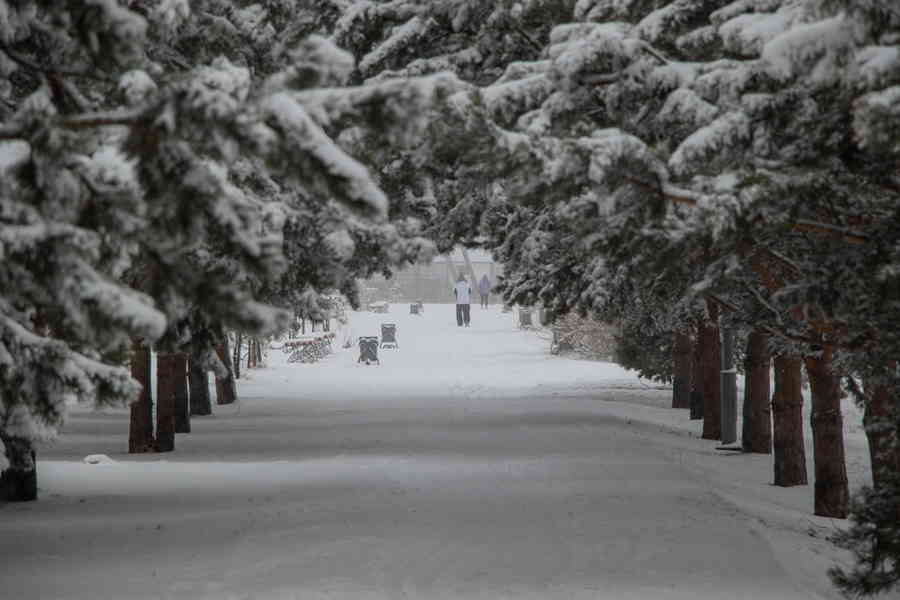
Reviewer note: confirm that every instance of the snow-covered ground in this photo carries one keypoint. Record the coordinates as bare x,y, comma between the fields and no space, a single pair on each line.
469,464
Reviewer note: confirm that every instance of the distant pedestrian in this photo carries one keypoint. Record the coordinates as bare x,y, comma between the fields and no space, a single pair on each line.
484,288
463,293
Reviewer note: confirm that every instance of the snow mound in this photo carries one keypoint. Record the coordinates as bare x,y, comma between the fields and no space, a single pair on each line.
98,459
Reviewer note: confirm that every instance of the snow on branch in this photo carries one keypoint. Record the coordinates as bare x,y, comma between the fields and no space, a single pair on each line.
306,147
684,106
747,34
394,101
876,120
402,37
717,140
813,51
667,19
508,100
876,66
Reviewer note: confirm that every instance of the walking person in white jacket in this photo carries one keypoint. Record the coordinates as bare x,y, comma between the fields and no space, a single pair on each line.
463,293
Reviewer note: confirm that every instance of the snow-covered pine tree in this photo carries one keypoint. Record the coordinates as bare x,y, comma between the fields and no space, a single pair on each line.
764,121
717,125
117,159
447,179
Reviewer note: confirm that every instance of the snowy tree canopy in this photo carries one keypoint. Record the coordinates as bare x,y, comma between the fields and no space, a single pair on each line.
152,184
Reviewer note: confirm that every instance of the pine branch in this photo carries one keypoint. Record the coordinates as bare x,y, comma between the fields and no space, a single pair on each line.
601,78
724,303
525,35
780,259
127,118
652,51
853,237
29,64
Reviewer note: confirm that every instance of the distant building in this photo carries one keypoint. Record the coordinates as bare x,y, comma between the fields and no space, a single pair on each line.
432,282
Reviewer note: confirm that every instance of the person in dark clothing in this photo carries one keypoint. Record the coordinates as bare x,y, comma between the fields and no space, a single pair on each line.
484,288
463,293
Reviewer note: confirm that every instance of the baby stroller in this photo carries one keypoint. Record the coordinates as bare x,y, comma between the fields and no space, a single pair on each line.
389,335
368,350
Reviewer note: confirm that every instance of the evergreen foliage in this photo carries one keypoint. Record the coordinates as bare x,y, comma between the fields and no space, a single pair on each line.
163,163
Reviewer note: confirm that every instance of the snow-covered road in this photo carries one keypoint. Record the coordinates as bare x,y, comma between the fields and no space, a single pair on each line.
469,464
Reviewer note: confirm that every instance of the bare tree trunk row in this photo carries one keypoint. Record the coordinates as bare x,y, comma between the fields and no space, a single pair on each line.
182,391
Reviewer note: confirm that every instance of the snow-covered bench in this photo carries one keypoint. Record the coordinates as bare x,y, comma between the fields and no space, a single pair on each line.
308,348
379,307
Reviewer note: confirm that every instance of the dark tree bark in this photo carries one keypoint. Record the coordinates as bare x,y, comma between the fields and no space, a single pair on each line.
697,379
140,429
182,402
832,494
18,482
884,445
712,366
201,403
225,388
236,363
681,385
756,435
787,415
166,382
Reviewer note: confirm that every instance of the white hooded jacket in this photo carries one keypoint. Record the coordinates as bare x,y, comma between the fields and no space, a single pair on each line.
463,292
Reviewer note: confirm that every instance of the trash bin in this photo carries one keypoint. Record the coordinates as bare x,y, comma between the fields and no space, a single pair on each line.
525,318
368,350
389,335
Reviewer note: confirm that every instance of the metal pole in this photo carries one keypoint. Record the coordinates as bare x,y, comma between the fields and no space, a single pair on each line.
729,388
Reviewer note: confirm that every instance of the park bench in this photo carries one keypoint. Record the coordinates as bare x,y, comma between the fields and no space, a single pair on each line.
379,307
308,348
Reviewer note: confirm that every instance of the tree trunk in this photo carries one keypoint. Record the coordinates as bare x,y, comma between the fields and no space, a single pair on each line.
251,353
140,429
18,483
697,379
236,363
787,414
681,385
712,366
882,433
756,435
832,495
728,386
182,403
225,388
201,404
166,376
